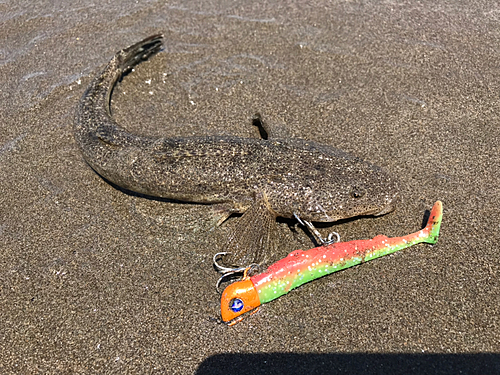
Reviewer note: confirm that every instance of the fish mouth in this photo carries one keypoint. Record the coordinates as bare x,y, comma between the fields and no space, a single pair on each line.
391,206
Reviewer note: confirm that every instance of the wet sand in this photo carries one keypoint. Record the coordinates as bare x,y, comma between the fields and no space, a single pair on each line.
95,280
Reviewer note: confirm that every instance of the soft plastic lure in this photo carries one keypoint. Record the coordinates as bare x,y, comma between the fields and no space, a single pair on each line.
300,267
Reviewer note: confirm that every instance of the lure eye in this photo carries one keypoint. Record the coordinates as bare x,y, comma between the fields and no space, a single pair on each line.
236,305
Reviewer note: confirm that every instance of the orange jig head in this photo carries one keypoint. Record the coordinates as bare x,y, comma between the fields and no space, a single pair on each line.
237,299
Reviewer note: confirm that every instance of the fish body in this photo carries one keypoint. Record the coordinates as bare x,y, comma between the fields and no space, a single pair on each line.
261,178
300,267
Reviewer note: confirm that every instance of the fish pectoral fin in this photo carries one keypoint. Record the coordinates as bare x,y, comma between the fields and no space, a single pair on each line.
222,212
252,237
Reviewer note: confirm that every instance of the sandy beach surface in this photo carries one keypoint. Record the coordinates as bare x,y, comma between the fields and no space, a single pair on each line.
97,280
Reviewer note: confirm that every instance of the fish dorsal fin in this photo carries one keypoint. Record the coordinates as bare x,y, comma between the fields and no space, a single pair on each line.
271,127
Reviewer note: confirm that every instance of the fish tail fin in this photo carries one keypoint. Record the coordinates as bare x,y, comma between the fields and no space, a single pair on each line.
133,55
434,223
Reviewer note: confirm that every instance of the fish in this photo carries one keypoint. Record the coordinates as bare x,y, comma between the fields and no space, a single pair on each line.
260,178
300,267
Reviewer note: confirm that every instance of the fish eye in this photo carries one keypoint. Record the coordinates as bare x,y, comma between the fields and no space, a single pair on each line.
236,305
357,192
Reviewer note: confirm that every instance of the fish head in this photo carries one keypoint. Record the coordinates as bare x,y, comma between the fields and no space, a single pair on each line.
357,190
338,190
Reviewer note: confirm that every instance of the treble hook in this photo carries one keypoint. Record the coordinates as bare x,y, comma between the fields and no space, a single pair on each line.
222,269
328,241
227,271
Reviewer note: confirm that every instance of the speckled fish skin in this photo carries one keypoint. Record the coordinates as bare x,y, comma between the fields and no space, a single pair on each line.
300,267
314,181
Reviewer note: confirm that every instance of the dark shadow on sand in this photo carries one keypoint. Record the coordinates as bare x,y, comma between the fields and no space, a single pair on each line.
357,364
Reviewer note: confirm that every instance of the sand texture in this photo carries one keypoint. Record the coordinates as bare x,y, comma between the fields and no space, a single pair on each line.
97,280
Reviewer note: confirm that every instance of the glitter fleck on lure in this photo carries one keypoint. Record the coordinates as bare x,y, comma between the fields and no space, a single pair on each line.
300,267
